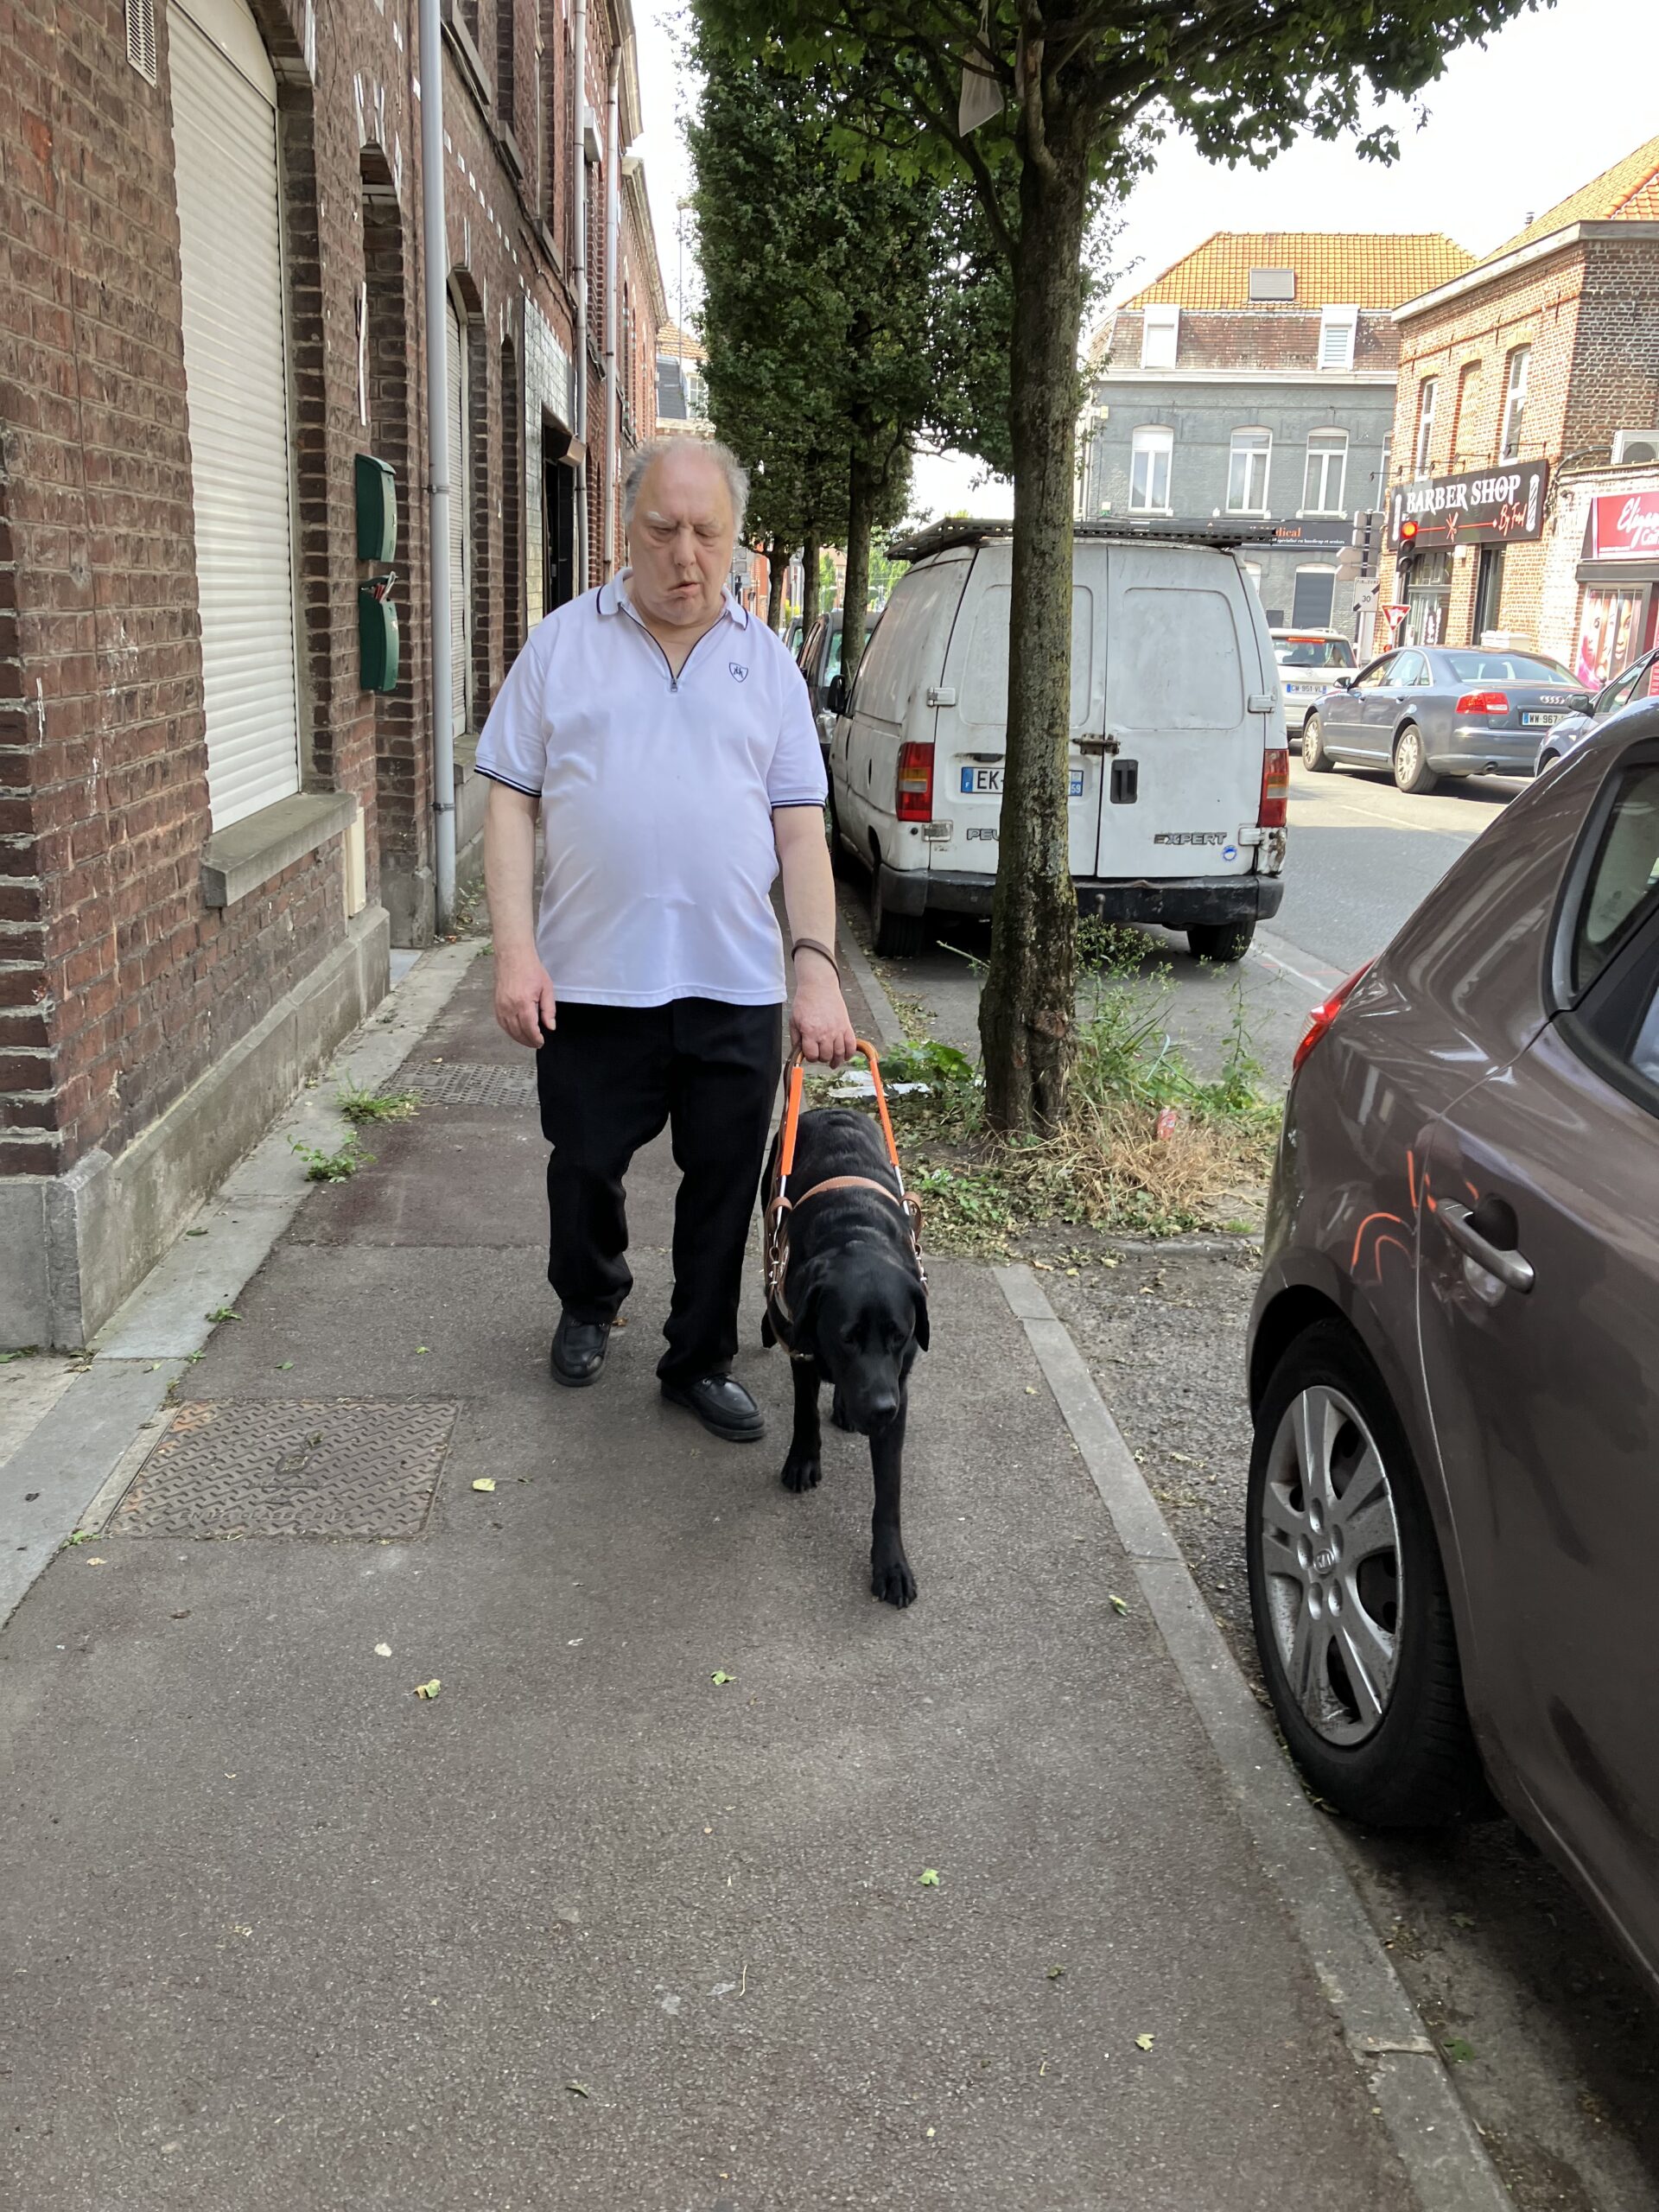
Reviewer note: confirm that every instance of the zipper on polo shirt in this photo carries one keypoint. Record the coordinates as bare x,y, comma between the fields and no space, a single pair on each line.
673,680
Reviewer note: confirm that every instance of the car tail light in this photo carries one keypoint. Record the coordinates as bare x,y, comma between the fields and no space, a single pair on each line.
1322,1016
915,782
1275,789
1484,703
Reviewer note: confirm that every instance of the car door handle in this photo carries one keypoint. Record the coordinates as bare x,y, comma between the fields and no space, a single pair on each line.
1510,1269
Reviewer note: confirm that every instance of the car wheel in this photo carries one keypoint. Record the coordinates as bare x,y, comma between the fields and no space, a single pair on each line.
1227,941
1348,1597
1546,762
899,936
1314,755
1411,771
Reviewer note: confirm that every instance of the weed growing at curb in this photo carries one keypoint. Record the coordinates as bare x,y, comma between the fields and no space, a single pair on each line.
322,1166
1149,1147
359,1106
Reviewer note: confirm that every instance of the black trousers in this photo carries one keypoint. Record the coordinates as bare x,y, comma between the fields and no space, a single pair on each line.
610,1078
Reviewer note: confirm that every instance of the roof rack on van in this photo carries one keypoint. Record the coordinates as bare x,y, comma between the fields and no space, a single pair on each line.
959,531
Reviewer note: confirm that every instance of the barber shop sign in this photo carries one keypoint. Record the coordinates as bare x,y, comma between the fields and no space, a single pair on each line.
1484,507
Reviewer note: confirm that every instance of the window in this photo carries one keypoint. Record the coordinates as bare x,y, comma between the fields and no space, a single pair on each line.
1337,326
1159,337
1408,669
1515,401
1327,472
1272,284
1606,633
1428,392
1247,473
1379,673
1623,881
1468,376
1151,452
1311,600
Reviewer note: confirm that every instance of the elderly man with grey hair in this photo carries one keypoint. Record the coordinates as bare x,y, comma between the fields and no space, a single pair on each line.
665,741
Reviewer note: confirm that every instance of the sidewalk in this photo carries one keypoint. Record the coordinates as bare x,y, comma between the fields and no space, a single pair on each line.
590,1929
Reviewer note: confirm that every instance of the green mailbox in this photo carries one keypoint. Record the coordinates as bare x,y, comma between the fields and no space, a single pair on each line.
377,635
377,510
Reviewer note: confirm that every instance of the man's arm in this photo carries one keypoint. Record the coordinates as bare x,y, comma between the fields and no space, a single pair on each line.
819,1025
523,990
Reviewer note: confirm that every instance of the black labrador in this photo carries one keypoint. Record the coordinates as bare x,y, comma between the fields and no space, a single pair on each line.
854,1314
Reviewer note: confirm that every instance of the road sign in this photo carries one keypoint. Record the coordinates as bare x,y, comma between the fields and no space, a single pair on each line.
1365,600
1394,616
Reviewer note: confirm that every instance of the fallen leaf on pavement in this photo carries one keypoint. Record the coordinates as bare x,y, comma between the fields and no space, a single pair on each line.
485,1482
428,1689
1117,1603
98,1563
282,1366
929,1877
195,1232
1458,2052
1056,1973
717,1676
579,2089
1144,2042
383,1651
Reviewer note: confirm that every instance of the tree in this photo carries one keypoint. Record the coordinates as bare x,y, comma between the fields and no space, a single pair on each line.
831,340
1086,89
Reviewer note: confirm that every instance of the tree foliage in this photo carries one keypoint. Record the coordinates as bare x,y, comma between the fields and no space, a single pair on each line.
1088,88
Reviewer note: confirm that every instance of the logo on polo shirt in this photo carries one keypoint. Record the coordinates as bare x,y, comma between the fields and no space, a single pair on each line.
739,672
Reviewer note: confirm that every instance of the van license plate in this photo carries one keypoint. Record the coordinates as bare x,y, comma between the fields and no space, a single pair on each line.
975,781
1540,722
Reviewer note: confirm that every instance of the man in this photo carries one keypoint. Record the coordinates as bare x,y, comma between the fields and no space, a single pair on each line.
666,741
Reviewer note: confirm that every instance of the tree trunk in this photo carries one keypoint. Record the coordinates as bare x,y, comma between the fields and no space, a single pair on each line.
776,570
1028,1006
809,583
856,595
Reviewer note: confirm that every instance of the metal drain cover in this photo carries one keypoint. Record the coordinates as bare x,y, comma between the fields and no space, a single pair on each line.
337,1467
472,1083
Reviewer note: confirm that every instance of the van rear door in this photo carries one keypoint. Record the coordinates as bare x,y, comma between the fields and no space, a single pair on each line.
1183,665
971,735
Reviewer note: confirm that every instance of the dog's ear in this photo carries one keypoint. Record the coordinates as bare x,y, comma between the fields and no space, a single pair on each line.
920,1328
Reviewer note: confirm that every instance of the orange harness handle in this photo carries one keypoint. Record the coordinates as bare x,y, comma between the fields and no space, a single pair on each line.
797,1080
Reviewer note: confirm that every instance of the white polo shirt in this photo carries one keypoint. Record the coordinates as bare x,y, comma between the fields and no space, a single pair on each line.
656,793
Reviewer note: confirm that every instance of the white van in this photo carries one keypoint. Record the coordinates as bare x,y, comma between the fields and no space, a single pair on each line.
1178,771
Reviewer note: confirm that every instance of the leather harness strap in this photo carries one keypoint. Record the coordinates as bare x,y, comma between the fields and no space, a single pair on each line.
780,1206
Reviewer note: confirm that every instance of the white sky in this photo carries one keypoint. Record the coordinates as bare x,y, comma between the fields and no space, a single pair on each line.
1512,128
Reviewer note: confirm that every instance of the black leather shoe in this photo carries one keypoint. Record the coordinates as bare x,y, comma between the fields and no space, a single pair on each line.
578,1351
724,1407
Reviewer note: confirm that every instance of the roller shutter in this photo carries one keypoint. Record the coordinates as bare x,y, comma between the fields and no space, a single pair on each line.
236,381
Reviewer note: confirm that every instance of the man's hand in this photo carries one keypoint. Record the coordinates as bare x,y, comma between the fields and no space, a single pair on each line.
523,996
820,1027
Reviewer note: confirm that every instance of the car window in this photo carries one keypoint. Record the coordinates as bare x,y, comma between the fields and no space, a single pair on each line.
1411,668
832,666
1377,674
1507,667
1623,886
1620,692
1312,652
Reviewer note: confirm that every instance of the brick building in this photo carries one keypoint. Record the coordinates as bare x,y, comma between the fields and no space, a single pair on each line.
1255,378
211,829
1526,436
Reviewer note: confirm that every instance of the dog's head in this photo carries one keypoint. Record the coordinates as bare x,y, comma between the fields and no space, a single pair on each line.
865,1314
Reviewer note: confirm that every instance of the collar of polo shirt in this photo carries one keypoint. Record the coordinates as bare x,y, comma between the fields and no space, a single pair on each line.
613,600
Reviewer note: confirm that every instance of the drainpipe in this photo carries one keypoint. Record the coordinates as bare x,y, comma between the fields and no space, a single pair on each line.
612,225
435,255
580,34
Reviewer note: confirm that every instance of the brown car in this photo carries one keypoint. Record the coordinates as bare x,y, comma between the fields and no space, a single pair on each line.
1453,1515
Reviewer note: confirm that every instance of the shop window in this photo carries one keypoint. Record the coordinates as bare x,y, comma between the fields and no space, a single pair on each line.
1247,472
1428,392
1515,401
1337,326
1313,597
1327,470
1161,329
1152,451
1607,634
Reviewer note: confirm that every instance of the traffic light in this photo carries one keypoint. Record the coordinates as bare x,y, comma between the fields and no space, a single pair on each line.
1406,554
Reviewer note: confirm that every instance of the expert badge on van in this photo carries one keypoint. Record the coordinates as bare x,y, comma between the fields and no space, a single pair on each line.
1178,771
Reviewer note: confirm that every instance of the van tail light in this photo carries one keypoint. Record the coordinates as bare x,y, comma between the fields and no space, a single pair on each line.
915,782
1322,1016
1484,703
1275,789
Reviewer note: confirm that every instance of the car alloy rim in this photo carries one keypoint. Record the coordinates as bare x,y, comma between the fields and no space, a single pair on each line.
1330,1554
1310,739
1408,751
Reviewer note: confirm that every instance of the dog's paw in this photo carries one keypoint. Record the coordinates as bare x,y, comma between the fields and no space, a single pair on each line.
838,1414
801,1472
891,1579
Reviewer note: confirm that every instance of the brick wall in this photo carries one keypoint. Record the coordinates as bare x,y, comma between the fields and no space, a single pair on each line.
119,985
1254,338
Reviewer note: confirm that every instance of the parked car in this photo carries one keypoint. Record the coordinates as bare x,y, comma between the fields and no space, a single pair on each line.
1427,711
1639,681
1453,1511
1177,762
1308,663
792,636
820,663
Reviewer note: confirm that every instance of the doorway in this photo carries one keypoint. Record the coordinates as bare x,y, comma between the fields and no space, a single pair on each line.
558,532
1488,592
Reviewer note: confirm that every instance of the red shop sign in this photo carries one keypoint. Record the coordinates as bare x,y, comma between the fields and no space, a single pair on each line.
1622,526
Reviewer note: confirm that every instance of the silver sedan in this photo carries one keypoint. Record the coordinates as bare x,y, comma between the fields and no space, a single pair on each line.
1427,711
